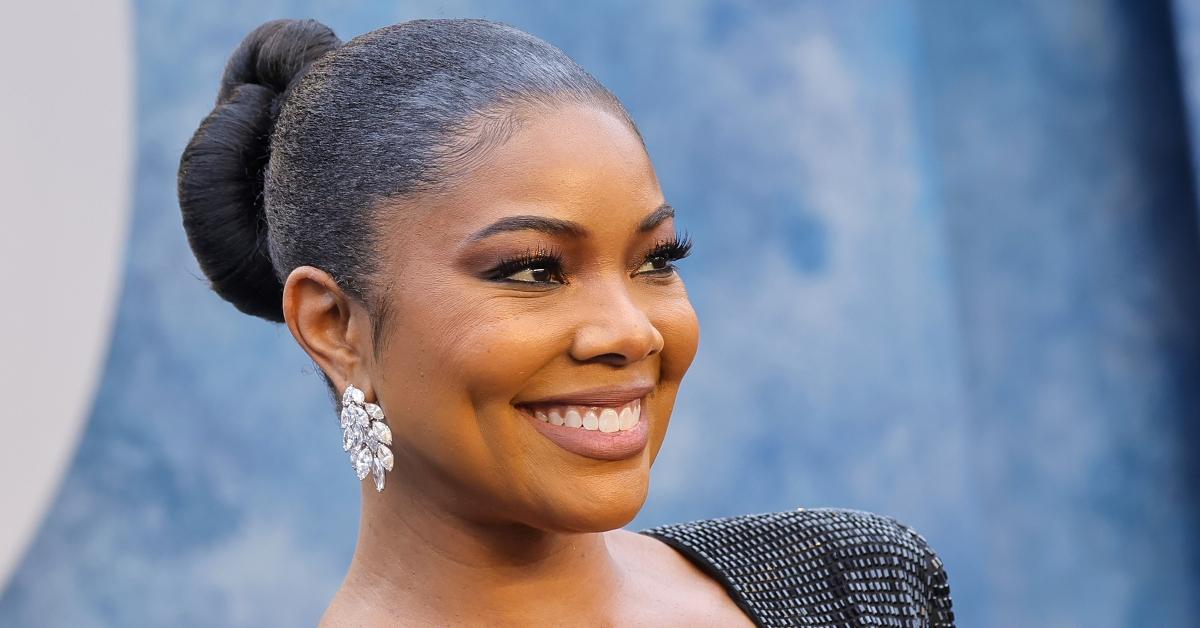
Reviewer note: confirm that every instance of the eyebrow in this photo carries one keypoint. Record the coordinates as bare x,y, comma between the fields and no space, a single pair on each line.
560,227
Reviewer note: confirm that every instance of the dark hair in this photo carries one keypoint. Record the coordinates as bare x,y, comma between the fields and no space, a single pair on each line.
308,135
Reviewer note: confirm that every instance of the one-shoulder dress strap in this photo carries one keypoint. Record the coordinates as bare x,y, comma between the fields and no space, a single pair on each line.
819,567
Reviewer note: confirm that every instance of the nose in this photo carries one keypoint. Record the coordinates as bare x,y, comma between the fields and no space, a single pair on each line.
613,328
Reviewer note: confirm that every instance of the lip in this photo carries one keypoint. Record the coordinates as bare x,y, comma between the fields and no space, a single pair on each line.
594,443
606,396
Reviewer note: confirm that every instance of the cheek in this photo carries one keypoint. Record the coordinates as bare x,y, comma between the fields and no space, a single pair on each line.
677,322
496,351
448,373
472,350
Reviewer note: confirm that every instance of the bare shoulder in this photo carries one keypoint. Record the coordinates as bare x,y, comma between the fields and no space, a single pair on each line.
669,589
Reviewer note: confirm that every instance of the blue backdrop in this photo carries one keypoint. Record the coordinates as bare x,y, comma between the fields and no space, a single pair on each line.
946,269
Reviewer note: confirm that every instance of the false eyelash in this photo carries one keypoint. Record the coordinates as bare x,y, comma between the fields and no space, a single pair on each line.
674,249
541,257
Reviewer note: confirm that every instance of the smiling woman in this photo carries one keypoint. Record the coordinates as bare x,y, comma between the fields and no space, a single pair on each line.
464,230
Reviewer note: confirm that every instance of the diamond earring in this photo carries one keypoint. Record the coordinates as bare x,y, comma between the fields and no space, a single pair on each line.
365,436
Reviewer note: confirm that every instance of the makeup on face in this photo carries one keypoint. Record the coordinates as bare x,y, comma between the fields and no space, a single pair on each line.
546,266
601,424
605,424
541,266
547,273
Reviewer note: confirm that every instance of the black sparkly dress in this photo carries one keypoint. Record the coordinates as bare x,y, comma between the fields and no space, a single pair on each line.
819,567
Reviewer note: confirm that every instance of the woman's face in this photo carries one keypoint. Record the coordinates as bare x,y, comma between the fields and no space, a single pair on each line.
474,349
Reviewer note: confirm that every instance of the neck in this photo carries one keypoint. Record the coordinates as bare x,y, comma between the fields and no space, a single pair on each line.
415,560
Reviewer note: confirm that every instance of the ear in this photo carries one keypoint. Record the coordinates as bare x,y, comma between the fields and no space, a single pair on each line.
331,327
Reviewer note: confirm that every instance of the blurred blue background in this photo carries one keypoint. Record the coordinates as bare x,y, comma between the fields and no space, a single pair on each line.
946,269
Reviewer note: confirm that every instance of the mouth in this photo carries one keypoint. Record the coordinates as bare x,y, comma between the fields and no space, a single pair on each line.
604,432
605,419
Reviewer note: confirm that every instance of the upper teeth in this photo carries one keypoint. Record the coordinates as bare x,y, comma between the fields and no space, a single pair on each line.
603,418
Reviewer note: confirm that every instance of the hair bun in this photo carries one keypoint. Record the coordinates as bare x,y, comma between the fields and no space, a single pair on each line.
220,180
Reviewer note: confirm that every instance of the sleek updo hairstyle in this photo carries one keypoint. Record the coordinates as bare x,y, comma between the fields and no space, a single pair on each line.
309,136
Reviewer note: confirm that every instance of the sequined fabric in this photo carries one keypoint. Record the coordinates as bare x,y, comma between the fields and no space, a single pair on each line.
819,567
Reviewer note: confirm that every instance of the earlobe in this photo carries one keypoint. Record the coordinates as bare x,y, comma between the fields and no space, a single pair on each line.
324,320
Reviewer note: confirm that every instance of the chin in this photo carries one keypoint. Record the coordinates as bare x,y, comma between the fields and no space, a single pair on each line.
599,510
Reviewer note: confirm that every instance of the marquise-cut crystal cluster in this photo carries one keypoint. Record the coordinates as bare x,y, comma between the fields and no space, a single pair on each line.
365,436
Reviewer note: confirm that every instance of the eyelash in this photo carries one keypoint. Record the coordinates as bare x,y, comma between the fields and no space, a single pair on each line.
672,250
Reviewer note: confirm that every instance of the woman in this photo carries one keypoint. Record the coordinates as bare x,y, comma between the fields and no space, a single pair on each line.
464,231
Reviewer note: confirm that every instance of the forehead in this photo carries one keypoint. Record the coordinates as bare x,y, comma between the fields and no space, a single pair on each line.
575,162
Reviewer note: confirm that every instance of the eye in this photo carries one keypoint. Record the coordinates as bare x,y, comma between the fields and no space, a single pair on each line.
540,267
537,273
658,260
656,264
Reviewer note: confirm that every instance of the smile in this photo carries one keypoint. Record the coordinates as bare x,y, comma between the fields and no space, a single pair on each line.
601,418
603,432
